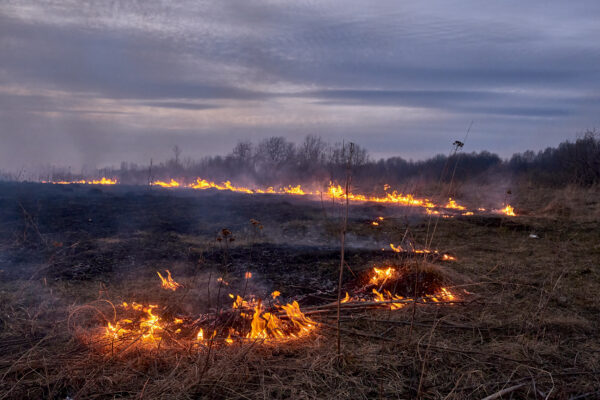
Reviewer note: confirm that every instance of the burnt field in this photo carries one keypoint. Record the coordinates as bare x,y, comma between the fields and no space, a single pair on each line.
465,307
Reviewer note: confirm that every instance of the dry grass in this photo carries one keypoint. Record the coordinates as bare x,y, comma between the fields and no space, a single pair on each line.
532,321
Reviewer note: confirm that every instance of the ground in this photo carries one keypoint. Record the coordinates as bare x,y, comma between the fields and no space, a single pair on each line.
526,319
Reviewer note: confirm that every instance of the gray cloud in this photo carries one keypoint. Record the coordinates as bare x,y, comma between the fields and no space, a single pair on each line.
96,79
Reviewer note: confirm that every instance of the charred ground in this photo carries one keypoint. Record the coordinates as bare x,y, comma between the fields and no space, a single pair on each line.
529,316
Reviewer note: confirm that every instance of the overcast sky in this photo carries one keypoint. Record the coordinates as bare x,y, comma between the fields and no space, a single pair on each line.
103,81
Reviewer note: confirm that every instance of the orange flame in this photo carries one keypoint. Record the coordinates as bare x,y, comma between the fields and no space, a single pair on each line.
445,257
280,322
379,276
147,328
508,210
172,183
346,298
334,191
454,205
103,181
382,275
168,283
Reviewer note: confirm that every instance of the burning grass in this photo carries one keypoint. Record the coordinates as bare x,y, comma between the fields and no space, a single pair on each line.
514,312
131,325
332,191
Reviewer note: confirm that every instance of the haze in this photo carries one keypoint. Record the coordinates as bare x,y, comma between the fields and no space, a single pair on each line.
96,83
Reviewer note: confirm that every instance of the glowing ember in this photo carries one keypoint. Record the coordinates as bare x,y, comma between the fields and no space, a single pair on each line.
168,283
444,257
222,281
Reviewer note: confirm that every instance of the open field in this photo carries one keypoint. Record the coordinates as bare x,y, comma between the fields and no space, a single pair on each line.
524,317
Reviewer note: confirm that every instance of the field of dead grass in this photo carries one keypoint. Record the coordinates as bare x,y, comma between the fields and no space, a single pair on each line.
528,325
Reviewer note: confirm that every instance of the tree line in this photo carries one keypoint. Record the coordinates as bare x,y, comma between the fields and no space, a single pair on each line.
276,161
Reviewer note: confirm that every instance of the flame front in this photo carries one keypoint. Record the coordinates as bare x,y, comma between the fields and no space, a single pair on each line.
102,181
334,191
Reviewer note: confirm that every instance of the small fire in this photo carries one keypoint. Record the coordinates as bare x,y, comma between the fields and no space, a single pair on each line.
248,275
168,283
379,297
381,275
445,257
147,327
446,295
200,337
454,205
448,257
294,190
103,181
377,222
266,325
301,322
508,210
397,249
172,183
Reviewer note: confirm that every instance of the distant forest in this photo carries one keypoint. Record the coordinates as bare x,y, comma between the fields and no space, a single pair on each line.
276,161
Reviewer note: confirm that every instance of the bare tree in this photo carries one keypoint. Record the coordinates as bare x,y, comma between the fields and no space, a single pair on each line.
312,150
242,151
177,154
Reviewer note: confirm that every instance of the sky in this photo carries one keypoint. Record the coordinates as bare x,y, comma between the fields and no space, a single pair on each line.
94,83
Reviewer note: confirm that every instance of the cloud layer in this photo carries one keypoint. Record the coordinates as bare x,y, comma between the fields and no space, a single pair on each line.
98,82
